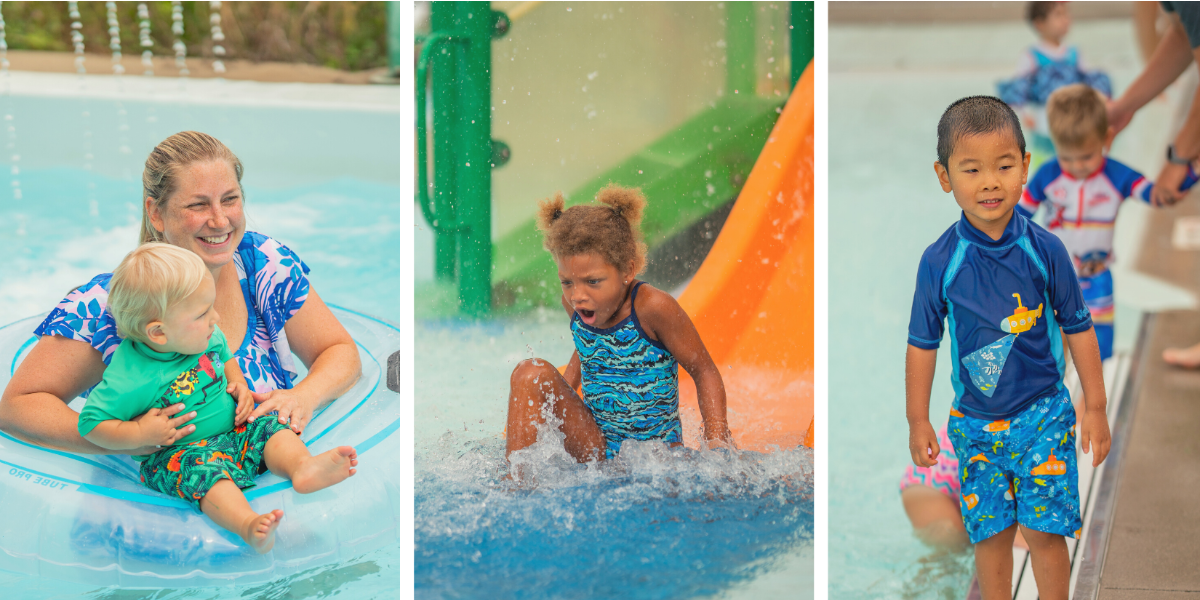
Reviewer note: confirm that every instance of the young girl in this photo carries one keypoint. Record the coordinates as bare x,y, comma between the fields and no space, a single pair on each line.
630,339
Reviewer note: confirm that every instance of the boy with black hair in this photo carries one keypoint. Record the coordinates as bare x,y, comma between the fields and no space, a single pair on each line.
1006,287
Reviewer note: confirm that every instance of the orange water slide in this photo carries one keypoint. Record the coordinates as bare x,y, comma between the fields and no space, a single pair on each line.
752,299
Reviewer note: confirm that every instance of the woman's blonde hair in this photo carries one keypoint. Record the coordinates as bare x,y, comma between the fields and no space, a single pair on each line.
164,165
148,282
610,231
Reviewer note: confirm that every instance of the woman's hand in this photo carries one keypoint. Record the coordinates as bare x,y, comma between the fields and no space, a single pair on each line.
160,426
1166,186
244,399
294,409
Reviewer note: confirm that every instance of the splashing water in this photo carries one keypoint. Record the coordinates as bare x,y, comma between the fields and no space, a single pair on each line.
143,13
218,36
655,522
177,31
680,523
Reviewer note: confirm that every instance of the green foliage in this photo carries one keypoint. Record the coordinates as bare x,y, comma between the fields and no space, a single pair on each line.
350,36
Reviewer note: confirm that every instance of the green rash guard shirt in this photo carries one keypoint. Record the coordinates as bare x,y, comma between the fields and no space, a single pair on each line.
139,378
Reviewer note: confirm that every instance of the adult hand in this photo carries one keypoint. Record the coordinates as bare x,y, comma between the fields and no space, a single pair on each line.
160,426
1166,186
1118,116
293,408
923,445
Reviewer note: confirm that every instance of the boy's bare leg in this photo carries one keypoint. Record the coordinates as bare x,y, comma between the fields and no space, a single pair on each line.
287,456
1051,563
226,505
994,565
536,382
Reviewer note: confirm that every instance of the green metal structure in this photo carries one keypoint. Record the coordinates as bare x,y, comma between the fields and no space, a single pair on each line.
459,50
689,172
801,40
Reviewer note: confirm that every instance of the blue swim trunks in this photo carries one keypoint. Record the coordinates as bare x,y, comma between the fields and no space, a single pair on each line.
1020,470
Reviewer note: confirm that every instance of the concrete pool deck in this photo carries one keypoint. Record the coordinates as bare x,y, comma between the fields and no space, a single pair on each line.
1151,550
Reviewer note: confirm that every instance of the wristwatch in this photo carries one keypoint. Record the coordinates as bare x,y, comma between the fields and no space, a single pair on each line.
1174,158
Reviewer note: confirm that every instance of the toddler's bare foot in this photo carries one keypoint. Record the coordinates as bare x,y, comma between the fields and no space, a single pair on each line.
325,469
259,531
1188,358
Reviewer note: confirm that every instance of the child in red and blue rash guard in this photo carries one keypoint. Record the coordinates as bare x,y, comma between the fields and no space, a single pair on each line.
1083,191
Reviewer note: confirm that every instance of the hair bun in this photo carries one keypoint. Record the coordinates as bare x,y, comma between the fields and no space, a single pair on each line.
627,203
549,211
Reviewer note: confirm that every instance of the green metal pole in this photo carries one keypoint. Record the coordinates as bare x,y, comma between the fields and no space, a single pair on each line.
475,173
445,138
740,73
801,38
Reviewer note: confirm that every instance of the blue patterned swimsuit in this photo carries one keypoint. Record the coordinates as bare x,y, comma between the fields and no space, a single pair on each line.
274,285
630,382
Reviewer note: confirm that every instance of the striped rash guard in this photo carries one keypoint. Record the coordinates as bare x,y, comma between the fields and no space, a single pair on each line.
1082,211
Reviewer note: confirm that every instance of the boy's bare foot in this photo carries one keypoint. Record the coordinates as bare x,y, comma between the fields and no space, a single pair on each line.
325,469
1188,358
259,531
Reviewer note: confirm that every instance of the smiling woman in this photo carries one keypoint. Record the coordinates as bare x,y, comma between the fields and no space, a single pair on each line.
193,200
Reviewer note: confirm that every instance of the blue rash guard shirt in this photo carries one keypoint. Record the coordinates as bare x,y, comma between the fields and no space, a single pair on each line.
1006,351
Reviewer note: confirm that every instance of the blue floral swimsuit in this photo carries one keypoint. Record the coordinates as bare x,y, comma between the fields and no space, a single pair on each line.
274,284
630,382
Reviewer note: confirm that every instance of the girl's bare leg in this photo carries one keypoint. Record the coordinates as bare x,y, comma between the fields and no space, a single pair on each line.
935,517
288,457
535,383
226,505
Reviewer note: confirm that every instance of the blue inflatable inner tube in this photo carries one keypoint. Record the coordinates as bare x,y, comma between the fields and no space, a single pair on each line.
88,519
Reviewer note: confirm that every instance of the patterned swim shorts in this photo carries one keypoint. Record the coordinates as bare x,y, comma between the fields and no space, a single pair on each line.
1020,470
189,471
942,477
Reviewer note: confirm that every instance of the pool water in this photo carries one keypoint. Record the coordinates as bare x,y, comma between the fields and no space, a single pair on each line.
885,208
653,523
312,180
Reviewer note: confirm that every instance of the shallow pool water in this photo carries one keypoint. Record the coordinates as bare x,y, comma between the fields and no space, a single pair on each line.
653,523
313,180
885,208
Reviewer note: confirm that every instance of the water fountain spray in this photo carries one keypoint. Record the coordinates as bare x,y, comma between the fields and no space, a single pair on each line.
10,127
76,35
177,30
218,36
114,37
143,13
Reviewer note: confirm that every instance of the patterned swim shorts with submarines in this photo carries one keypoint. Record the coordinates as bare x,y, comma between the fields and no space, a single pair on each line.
190,471
1020,470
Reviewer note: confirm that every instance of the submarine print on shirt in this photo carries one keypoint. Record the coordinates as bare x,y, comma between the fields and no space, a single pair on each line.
985,364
